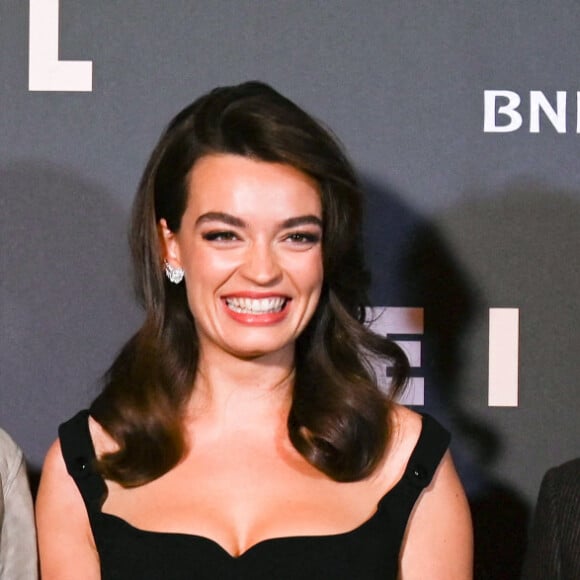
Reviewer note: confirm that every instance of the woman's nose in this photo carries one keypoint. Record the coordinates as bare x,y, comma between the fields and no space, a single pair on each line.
261,264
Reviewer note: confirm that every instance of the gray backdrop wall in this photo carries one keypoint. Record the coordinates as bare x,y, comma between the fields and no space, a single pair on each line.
463,120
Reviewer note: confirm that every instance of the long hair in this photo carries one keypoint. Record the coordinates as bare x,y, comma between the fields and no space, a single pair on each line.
338,418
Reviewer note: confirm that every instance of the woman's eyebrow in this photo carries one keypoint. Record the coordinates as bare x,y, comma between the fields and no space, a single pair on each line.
301,221
218,216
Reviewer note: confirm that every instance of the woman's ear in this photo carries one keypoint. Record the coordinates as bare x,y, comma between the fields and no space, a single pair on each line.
169,245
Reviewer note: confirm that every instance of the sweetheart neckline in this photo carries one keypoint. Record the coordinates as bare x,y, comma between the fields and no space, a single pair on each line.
266,541
278,539
417,477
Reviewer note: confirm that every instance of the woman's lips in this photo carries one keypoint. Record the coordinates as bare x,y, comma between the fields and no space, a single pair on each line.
262,310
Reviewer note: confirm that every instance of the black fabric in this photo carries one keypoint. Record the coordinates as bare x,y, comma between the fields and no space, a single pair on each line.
554,547
369,552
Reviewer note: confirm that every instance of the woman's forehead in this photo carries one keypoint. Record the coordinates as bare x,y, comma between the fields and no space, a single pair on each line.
246,186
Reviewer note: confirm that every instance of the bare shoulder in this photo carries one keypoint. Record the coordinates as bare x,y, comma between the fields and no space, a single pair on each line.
405,425
54,475
438,538
102,441
404,431
65,541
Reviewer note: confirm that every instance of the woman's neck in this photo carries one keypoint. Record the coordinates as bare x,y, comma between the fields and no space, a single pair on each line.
230,391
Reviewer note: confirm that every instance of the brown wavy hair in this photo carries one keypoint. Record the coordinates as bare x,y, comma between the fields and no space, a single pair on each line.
339,417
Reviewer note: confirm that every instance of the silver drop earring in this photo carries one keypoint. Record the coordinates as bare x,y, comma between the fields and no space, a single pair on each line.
175,275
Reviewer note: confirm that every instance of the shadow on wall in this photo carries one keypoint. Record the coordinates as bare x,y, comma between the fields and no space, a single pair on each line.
413,266
521,244
65,297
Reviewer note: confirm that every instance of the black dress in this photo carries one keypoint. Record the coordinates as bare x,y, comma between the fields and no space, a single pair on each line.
369,552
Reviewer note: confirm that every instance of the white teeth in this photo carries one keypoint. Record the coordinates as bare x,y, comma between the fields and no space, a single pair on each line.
256,306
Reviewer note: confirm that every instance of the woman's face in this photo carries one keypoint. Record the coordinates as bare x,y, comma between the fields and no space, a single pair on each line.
250,244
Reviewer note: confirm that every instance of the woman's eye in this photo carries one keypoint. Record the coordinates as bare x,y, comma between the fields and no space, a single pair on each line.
220,236
303,238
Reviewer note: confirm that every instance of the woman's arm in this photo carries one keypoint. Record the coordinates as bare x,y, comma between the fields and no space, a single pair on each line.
65,541
438,543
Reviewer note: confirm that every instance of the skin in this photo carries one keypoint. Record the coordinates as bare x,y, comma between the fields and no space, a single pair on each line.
251,230
235,242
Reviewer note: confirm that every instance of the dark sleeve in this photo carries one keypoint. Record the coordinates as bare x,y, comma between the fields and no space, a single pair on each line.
542,554
554,546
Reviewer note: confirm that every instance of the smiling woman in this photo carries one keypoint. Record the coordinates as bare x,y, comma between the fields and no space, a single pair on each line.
250,245
241,432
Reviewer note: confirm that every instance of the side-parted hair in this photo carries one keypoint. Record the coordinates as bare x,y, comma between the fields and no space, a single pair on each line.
338,420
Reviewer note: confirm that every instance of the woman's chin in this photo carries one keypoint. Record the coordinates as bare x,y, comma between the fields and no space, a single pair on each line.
265,351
